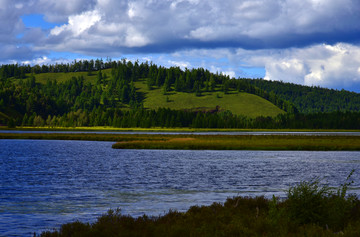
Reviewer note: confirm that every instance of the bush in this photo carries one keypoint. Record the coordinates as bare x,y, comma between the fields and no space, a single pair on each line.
309,202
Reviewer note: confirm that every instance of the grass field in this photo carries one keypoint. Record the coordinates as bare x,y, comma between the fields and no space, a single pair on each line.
239,103
62,76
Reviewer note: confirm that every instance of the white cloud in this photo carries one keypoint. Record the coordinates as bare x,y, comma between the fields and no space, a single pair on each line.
138,25
333,66
181,64
220,35
78,24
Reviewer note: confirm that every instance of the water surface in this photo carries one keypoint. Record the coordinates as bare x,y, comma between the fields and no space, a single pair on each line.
44,184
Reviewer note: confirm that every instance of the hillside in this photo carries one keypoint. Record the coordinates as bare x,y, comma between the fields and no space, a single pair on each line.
126,94
310,99
239,103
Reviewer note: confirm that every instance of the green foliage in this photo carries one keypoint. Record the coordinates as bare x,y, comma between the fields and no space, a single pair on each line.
71,97
310,202
11,123
310,99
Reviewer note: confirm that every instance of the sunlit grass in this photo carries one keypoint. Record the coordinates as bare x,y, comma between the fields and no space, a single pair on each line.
239,103
205,142
246,142
162,129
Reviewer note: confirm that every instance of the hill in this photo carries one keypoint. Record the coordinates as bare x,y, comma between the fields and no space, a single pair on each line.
126,94
311,99
239,103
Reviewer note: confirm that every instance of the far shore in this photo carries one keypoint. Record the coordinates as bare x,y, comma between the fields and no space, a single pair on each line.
205,142
160,129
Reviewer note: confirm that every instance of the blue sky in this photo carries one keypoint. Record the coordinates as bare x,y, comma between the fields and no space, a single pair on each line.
309,42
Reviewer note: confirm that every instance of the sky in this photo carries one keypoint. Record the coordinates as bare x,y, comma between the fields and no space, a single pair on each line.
308,42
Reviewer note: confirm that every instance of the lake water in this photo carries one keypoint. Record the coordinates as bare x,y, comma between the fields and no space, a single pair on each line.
44,184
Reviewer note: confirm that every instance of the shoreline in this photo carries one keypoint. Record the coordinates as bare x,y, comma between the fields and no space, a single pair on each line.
160,129
206,142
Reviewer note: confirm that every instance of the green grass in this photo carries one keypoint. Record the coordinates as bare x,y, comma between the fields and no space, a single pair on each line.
159,129
239,103
62,76
243,142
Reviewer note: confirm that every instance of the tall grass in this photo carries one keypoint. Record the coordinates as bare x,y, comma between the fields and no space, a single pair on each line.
206,142
246,142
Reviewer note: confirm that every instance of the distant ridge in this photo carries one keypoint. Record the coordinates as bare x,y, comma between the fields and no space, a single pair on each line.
311,99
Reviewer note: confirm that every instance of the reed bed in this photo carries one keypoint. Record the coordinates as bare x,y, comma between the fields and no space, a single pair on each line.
246,142
205,142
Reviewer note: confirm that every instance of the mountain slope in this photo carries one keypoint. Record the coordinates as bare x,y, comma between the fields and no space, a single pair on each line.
309,99
239,103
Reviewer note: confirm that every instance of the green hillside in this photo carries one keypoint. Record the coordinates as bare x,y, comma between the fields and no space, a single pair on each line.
311,99
126,94
239,103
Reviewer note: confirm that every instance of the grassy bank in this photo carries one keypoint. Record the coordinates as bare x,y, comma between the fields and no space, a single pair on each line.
309,210
244,142
205,142
162,129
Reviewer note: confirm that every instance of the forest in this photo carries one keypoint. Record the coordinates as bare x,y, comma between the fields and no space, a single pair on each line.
114,100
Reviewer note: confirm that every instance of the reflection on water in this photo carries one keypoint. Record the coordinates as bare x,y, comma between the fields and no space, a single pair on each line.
44,184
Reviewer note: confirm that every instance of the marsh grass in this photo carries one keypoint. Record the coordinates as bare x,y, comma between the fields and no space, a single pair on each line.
205,142
309,210
247,142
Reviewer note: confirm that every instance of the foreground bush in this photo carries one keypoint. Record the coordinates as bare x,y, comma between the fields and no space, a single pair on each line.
309,210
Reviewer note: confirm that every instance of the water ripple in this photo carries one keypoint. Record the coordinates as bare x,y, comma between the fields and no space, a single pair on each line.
44,184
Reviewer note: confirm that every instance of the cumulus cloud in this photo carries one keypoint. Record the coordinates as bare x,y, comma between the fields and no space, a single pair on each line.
156,26
296,41
332,66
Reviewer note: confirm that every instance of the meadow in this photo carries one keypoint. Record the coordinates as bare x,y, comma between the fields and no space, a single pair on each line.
239,103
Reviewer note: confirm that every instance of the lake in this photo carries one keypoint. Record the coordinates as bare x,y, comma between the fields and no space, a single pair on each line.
44,184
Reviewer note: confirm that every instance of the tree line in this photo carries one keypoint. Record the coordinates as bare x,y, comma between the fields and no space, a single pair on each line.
167,118
310,99
113,99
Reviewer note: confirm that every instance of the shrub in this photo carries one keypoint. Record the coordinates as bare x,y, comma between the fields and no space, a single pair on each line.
312,203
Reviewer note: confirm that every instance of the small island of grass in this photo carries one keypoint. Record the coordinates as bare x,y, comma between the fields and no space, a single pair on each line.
206,142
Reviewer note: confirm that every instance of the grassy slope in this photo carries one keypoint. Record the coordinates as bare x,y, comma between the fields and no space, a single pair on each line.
238,103
61,76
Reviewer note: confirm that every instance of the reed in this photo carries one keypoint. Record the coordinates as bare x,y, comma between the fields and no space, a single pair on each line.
206,142
246,142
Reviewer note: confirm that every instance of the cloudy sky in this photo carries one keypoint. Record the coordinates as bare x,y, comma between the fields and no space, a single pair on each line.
310,42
